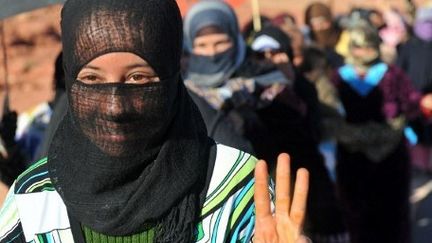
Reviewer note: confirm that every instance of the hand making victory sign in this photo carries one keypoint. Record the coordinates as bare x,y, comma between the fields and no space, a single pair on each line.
286,223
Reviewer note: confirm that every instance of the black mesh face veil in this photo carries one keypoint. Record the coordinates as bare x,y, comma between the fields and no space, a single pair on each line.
98,27
127,158
122,120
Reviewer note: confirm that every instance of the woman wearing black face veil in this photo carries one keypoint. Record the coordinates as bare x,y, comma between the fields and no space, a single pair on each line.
131,160
225,80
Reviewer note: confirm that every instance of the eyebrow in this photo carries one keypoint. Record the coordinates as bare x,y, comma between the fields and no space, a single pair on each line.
91,67
136,65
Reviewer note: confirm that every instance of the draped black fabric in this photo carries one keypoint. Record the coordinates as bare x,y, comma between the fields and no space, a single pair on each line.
127,157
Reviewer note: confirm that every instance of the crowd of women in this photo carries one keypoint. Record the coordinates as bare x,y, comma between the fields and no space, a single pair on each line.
159,140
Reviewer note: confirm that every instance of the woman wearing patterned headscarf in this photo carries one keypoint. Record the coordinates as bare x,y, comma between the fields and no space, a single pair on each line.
131,160
377,99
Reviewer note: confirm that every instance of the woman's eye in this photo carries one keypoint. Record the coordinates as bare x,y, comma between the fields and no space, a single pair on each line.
138,77
88,78
141,78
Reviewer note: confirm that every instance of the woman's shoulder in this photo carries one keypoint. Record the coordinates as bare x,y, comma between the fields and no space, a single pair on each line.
32,198
228,210
232,173
35,179
396,76
232,163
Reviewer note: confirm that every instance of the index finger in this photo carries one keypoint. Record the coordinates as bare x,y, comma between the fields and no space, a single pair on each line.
261,194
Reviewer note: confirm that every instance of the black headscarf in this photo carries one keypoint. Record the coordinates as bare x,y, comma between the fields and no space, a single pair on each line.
275,34
154,177
59,82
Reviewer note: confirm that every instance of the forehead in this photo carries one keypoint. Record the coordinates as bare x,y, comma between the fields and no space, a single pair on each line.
318,20
212,38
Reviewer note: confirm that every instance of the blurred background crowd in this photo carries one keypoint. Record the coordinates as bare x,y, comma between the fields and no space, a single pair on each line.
345,87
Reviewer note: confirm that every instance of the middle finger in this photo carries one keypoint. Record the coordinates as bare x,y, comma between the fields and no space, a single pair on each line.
283,198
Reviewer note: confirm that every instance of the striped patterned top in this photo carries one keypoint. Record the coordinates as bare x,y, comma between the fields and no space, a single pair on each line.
34,212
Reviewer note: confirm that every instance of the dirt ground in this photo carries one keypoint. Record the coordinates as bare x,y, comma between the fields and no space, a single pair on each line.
33,42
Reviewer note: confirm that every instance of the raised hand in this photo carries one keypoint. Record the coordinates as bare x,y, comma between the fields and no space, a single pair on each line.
286,223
